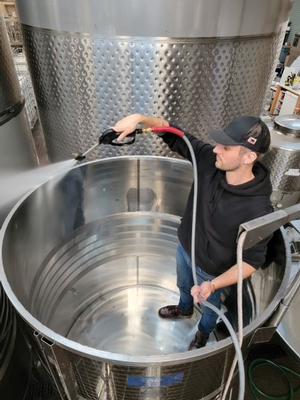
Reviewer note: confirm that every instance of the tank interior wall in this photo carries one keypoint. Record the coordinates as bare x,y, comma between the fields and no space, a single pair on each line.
102,190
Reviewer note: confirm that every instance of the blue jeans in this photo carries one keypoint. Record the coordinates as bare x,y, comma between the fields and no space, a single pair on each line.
185,282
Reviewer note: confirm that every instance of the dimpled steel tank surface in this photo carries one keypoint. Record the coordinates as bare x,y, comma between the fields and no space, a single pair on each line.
87,260
199,63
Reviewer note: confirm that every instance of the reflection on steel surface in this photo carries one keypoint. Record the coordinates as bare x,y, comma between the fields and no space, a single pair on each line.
121,272
90,272
195,18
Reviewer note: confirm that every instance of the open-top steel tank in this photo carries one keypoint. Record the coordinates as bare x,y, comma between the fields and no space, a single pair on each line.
87,260
199,63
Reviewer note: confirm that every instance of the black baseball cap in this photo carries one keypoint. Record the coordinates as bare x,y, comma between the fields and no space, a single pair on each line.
247,131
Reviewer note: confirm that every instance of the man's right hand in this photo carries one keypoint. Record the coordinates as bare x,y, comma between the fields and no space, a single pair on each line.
128,124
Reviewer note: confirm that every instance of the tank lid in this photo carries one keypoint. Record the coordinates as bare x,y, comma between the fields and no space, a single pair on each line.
288,125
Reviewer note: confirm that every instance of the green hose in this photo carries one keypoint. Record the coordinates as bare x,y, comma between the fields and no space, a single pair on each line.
260,362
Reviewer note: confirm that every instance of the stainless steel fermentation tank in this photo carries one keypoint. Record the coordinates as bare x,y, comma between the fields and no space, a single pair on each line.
89,274
283,160
198,63
17,153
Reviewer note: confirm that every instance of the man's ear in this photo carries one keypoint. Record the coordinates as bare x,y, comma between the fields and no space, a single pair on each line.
250,157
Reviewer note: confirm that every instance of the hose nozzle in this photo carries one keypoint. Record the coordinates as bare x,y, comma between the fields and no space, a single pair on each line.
78,156
81,156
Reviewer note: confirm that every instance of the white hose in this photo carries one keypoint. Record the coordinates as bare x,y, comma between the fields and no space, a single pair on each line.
234,338
240,307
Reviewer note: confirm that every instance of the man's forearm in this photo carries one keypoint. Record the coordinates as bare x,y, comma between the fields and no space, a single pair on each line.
231,276
148,121
226,279
128,124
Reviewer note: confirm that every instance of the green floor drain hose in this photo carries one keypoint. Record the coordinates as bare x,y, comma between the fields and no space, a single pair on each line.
260,362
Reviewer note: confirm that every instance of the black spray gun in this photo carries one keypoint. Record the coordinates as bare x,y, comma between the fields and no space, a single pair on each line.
110,137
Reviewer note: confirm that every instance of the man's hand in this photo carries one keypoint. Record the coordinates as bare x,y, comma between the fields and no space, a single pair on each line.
127,125
201,292
226,279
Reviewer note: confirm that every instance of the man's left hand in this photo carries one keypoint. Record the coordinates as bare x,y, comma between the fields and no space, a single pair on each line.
201,292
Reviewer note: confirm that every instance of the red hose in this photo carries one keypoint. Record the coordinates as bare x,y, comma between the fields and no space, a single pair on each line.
158,129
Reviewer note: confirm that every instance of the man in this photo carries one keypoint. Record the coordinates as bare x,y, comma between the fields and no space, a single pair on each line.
233,188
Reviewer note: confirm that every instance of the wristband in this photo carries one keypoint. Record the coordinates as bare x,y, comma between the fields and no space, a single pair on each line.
213,288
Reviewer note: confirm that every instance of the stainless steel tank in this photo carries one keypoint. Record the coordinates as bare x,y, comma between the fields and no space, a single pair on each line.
197,63
17,151
283,160
16,144
88,258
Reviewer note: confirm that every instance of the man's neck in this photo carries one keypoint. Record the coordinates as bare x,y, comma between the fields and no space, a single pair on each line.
238,177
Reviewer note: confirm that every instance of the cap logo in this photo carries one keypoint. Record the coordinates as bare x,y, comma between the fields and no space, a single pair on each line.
251,140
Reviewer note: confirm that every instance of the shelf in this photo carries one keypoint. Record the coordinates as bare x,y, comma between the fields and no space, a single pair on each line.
279,99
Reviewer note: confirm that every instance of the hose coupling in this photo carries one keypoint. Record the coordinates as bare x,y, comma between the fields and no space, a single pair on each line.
146,130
